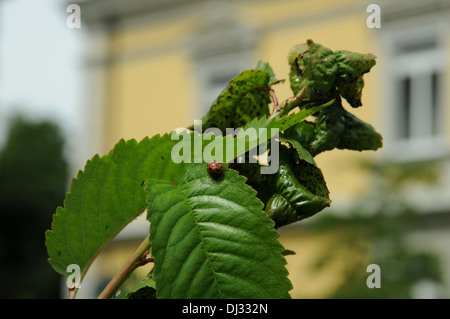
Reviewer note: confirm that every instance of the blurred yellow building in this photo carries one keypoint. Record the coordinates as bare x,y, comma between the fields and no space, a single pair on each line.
157,65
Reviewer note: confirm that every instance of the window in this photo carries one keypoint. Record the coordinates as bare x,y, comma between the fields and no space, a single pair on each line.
220,50
415,91
418,112
214,75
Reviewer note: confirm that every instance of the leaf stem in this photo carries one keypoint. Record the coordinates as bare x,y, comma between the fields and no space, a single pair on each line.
137,259
289,104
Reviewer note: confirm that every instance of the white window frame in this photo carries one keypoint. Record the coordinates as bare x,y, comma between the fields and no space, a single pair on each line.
418,146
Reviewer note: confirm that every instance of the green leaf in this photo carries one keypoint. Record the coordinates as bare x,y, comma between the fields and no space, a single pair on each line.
352,65
301,151
263,127
246,97
280,211
108,194
319,74
287,121
359,135
243,142
352,92
300,190
337,128
288,252
211,239
313,68
146,289
104,198
300,136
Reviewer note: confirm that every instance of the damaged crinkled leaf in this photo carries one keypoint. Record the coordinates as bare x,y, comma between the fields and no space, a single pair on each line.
334,127
314,69
352,65
300,190
280,210
320,74
246,97
352,92
358,135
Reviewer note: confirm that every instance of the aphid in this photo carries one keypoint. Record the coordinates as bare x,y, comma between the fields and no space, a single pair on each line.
215,170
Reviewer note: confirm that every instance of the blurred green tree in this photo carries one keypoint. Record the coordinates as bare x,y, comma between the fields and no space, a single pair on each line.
379,230
33,177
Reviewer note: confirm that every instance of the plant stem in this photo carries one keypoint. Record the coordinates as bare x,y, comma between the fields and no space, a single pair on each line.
137,259
289,104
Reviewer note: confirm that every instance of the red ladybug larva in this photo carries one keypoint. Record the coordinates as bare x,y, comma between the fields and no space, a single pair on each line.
215,170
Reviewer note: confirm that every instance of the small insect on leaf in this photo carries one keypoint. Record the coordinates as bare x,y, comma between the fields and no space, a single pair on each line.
215,170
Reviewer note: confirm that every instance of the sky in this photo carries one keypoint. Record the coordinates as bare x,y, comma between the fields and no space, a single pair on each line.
41,63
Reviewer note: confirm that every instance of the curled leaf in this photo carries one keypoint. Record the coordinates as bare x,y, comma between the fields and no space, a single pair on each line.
314,69
300,190
352,92
352,65
280,210
246,97
359,135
